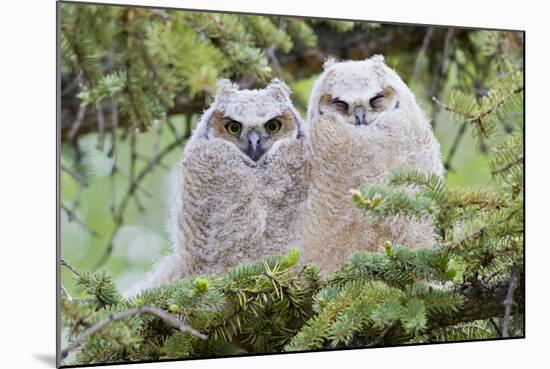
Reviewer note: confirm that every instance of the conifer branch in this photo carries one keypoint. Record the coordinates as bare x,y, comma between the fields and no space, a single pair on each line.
167,317
70,267
504,168
478,119
479,232
481,301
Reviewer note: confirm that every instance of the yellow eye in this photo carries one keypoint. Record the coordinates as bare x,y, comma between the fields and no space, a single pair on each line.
233,128
273,126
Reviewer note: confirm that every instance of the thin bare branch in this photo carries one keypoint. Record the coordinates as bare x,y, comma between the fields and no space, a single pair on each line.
422,52
77,176
495,326
119,218
508,166
172,129
71,214
114,125
156,145
133,182
164,315
454,146
147,159
100,126
509,301
71,87
69,266
65,293
77,122
378,340
446,51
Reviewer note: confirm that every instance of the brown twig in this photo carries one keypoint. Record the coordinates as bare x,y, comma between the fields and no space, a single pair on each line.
480,232
446,51
156,145
133,182
77,176
508,166
477,119
71,214
425,43
162,314
100,126
495,326
114,125
131,192
172,129
517,328
509,301
71,87
378,340
147,159
454,146
77,122
65,293
64,263
133,162
270,51
113,154
493,275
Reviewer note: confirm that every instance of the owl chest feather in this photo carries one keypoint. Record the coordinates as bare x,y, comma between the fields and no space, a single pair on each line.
246,212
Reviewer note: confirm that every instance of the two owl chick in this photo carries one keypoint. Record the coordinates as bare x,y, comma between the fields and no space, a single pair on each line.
255,180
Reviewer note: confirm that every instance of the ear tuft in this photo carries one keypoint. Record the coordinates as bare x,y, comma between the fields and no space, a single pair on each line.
278,88
329,62
377,58
225,87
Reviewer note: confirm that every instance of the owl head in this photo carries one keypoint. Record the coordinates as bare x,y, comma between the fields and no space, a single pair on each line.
254,121
358,92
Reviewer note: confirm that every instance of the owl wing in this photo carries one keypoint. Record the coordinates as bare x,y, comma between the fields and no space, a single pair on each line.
195,201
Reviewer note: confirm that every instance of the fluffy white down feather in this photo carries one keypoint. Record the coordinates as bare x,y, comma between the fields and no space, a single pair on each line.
344,157
228,210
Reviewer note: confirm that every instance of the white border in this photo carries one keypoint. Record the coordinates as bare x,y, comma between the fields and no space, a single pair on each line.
27,195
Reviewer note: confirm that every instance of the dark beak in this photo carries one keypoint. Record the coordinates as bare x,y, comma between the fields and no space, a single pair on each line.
254,149
359,112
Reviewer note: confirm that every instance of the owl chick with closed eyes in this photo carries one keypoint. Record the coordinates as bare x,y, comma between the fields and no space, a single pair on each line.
364,122
242,184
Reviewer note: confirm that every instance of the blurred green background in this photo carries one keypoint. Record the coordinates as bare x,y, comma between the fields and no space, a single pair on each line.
153,71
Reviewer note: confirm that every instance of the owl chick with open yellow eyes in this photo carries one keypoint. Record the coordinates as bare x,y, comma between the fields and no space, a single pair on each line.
364,122
242,184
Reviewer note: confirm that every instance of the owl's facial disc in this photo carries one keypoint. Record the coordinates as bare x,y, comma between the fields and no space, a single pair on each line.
359,110
254,139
